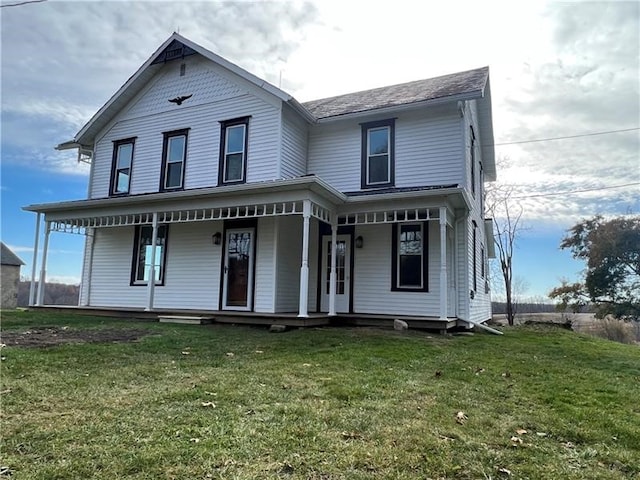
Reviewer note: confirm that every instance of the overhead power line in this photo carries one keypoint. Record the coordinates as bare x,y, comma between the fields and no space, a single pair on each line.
569,192
26,2
563,138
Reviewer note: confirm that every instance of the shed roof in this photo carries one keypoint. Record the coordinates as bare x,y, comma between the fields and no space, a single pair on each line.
470,82
8,257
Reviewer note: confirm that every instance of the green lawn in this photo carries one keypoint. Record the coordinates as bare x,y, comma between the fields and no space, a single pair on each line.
209,402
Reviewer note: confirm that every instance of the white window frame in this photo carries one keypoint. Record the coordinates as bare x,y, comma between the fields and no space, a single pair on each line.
162,246
170,138
370,155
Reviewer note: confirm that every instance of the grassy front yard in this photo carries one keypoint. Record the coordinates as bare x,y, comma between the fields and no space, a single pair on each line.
209,402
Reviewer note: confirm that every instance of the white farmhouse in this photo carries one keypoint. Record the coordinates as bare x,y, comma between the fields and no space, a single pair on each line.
212,190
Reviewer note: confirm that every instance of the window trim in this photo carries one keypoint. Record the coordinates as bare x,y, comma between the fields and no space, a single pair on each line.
224,125
165,151
134,282
114,165
364,152
475,255
395,241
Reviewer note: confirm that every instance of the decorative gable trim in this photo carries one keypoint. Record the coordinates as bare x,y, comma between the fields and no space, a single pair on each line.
174,51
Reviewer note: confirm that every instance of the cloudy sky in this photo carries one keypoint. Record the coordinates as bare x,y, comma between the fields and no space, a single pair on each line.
557,70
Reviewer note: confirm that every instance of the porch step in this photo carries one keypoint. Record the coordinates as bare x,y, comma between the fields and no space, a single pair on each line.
185,319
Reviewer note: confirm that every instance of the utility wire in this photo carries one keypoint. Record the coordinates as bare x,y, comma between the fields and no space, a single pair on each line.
562,138
26,2
524,197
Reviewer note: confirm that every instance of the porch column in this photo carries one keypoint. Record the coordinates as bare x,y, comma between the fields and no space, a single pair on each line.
304,269
43,267
34,266
443,263
152,269
332,274
88,270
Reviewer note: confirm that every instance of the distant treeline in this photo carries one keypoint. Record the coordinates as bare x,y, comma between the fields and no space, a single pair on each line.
531,307
54,293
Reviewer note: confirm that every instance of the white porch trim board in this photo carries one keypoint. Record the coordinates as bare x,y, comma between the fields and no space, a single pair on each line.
332,274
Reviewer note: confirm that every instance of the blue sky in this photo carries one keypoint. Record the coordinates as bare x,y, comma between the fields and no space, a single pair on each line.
557,70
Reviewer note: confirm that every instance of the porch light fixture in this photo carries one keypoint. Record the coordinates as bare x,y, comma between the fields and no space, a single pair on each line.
359,241
216,238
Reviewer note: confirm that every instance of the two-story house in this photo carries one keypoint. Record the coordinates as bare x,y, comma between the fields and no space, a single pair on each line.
211,189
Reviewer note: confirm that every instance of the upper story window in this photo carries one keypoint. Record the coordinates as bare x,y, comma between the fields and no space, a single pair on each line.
121,166
174,156
232,166
143,258
378,149
409,262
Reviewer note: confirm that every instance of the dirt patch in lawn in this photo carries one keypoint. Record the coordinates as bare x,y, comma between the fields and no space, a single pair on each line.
52,336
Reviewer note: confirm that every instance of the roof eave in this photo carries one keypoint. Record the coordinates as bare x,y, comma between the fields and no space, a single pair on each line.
311,182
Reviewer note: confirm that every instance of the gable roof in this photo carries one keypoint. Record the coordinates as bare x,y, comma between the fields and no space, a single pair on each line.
135,83
7,257
456,86
468,85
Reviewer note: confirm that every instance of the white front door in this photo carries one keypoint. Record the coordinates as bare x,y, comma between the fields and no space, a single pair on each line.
343,273
237,287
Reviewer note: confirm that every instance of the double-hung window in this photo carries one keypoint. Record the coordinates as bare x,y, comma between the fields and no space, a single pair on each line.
143,257
233,151
121,166
409,261
378,163
174,156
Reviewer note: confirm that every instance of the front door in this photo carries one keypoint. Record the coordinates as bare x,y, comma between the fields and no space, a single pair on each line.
343,273
237,289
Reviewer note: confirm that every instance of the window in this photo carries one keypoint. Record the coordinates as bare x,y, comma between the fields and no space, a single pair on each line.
233,151
174,154
409,262
483,260
142,257
121,166
378,139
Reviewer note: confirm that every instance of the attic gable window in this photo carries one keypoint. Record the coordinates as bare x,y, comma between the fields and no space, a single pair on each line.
121,166
174,51
378,150
174,156
232,165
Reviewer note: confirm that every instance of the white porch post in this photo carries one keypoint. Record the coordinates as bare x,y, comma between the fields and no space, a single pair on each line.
304,268
88,271
152,268
332,274
43,267
443,263
34,266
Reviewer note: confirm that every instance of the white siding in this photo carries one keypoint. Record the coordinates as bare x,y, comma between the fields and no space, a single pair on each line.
372,276
428,150
83,297
215,99
264,292
288,266
294,145
192,271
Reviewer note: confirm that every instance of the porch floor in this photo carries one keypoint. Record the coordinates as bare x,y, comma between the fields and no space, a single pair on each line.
256,318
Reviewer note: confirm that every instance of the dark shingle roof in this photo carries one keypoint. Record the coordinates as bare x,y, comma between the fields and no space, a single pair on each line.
7,257
401,94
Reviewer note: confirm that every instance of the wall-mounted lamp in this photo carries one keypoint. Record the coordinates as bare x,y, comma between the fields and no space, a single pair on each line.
216,238
359,241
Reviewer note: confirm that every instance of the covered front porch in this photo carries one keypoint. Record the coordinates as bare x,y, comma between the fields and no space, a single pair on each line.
310,252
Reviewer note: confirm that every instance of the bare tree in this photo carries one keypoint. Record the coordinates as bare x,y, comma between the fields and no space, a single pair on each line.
507,218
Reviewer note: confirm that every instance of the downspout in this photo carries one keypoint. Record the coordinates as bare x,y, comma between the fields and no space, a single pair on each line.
483,326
